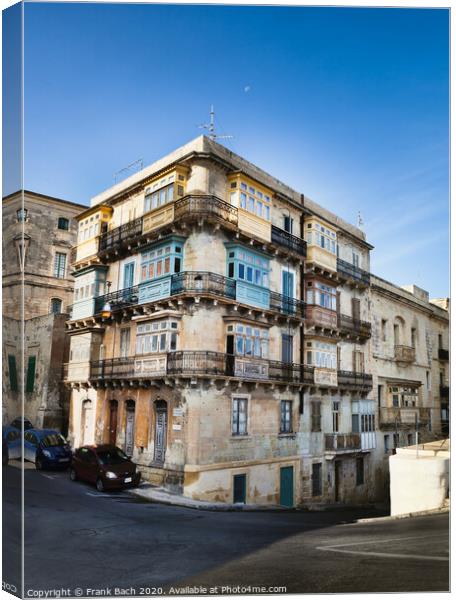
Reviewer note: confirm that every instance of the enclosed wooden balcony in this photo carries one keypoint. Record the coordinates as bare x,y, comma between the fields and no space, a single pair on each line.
353,328
342,443
350,273
405,354
318,317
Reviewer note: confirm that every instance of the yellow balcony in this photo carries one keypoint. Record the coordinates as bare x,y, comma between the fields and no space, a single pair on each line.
254,225
86,249
321,258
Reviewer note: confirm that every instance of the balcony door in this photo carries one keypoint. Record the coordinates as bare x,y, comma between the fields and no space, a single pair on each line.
287,348
129,275
230,355
130,427
161,418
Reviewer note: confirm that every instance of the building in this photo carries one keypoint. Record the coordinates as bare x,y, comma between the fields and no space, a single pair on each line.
221,333
38,233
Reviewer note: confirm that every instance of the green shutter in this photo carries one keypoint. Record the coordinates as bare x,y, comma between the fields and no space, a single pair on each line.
30,374
12,372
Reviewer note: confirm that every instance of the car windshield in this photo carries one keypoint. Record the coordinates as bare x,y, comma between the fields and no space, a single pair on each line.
113,456
54,439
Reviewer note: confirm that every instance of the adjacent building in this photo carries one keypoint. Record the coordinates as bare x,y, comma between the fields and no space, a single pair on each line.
38,233
223,330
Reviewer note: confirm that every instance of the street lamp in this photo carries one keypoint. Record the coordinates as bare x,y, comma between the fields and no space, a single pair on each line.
106,311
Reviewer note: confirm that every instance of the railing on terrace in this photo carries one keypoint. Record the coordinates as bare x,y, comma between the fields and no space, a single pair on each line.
289,241
342,441
195,282
352,272
351,325
205,205
201,362
404,353
443,354
354,379
111,240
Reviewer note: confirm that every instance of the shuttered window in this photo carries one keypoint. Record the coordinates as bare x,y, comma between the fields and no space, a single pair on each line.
12,372
30,374
316,416
59,265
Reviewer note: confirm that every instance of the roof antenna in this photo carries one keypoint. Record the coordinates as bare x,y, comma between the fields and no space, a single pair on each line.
360,220
137,164
211,128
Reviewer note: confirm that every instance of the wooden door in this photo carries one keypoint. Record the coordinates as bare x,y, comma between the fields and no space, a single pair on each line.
160,433
286,486
86,421
130,428
239,489
113,422
337,480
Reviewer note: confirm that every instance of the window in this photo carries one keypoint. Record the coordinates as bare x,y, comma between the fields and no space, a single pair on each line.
428,381
251,199
159,194
12,372
359,471
413,337
59,265
160,261
440,341
124,342
410,439
286,416
63,223
322,355
21,215
248,266
396,334
386,443
335,416
316,479
319,235
402,396
380,394
358,361
355,259
56,306
384,325
288,223
30,374
156,336
315,416
395,440
239,416
249,341
322,295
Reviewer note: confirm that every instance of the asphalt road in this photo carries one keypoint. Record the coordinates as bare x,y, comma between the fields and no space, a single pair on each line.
78,539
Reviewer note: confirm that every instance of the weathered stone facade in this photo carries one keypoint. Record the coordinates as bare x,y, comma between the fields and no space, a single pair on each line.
223,333
35,306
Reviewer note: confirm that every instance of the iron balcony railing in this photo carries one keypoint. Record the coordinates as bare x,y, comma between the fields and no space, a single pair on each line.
201,282
201,362
112,240
443,354
289,241
352,272
352,379
348,324
205,205
339,442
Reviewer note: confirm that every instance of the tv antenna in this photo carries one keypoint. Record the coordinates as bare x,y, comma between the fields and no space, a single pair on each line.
211,128
360,220
137,163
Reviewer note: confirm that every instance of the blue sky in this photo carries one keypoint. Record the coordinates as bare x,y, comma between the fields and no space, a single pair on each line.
349,106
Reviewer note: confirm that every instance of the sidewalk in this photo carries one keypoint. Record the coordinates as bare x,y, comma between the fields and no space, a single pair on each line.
158,494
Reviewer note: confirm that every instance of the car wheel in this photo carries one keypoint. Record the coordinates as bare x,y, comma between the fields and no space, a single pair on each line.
100,485
38,464
73,474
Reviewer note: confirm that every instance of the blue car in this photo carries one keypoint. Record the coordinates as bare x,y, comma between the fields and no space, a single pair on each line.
12,445
47,448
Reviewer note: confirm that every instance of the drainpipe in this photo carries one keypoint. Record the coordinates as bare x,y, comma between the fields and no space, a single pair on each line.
302,298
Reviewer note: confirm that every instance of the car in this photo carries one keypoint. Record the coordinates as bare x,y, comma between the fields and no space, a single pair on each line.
12,443
17,423
47,448
105,465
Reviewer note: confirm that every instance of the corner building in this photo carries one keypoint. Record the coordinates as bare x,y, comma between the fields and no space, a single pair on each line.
220,334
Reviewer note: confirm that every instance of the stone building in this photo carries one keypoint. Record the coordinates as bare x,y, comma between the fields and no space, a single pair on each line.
38,233
221,334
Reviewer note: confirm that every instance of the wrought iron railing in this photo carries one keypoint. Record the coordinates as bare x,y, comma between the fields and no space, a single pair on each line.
350,271
205,205
354,380
350,325
287,305
112,240
335,442
118,299
443,354
203,281
289,241
201,362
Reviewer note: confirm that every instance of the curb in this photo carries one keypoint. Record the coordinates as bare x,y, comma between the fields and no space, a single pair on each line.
420,513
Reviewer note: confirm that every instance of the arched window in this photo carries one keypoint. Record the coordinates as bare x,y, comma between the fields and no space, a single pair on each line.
56,306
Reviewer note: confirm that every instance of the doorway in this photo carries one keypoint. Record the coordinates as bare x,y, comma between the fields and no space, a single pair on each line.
86,421
161,418
130,428
286,486
239,489
113,409
230,355
337,480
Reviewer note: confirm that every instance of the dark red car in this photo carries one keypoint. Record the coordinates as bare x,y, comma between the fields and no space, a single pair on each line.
107,466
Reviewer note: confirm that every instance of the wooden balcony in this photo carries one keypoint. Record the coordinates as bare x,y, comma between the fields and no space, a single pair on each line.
288,241
353,328
353,381
319,317
342,443
405,354
351,273
443,354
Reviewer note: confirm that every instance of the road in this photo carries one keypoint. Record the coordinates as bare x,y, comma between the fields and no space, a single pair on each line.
76,537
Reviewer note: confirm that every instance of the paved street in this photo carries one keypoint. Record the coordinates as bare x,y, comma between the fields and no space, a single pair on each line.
76,537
